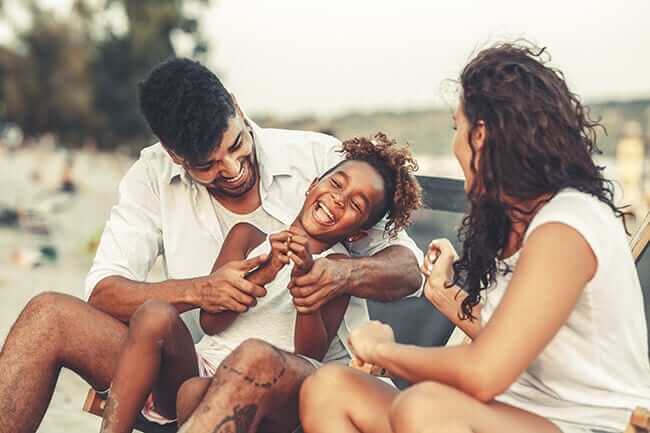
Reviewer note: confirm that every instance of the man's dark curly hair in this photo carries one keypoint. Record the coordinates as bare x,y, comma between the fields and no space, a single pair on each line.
187,108
539,140
395,165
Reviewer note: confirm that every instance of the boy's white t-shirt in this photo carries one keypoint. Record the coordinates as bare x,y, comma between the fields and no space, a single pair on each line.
596,369
272,319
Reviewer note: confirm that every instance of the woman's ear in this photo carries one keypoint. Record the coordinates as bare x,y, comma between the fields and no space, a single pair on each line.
357,236
478,136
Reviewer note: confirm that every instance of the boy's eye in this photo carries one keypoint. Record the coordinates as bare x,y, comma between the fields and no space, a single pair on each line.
335,183
356,207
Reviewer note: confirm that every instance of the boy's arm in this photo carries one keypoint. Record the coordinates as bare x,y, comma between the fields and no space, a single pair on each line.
242,238
315,331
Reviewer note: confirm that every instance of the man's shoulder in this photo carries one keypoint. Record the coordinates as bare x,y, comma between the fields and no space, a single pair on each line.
156,162
298,139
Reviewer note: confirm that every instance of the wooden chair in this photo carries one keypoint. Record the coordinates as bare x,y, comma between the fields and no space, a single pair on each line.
640,419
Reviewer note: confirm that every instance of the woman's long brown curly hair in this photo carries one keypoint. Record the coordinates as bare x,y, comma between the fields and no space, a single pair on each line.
539,140
396,165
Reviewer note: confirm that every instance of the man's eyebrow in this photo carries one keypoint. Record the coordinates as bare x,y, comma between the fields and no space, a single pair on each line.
237,140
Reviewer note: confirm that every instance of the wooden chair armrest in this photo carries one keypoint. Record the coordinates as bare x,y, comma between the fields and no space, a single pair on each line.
94,403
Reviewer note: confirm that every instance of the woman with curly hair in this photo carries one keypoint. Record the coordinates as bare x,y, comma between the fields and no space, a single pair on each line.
375,180
559,344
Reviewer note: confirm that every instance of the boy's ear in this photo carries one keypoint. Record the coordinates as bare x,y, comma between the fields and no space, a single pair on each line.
312,185
357,236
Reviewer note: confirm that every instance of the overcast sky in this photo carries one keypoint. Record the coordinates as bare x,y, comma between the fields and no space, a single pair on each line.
331,56
328,57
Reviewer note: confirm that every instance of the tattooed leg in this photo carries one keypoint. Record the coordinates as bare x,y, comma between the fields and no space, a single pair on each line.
256,381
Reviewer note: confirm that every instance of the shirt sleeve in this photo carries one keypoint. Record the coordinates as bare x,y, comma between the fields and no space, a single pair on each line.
132,237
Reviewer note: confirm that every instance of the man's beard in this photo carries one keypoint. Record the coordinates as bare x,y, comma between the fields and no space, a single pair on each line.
220,188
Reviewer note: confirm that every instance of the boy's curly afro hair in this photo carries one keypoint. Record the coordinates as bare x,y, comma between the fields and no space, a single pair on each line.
396,165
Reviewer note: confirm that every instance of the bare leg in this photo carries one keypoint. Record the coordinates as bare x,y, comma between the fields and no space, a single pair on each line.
189,397
53,331
255,381
339,399
431,407
158,356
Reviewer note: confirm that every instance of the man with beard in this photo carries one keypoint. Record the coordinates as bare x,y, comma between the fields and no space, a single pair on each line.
212,168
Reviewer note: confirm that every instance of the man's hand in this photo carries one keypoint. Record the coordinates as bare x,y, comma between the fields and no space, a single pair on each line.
326,280
226,289
299,253
365,339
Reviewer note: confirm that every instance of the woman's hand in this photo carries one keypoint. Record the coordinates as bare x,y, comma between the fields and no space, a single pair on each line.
438,269
364,340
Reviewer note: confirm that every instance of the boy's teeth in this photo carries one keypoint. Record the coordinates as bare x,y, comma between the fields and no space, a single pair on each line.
327,211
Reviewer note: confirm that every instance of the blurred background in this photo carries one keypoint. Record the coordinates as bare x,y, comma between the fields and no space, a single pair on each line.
70,127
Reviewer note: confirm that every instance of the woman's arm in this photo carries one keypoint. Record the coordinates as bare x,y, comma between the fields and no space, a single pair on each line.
554,267
438,271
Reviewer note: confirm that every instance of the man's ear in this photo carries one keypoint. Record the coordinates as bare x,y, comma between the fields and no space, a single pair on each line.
236,104
357,236
173,156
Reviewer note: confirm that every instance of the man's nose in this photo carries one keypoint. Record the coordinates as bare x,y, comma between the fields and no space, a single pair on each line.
230,167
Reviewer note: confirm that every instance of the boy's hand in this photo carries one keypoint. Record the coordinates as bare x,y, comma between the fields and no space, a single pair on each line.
299,252
278,256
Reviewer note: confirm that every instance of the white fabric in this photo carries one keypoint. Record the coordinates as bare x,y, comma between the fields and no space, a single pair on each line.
259,218
273,319
162,212
596,369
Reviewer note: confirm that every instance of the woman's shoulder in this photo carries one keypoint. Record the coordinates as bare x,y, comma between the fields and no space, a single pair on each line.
576,207
592,218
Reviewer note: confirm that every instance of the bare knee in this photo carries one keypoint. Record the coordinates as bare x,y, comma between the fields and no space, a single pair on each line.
49,313
253,355
427,407
317,391
189,396
153,320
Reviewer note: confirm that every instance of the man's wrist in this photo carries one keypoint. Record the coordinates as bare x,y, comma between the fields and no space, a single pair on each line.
191,292
351,276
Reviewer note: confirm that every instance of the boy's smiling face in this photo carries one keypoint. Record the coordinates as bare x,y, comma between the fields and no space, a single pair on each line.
339,204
